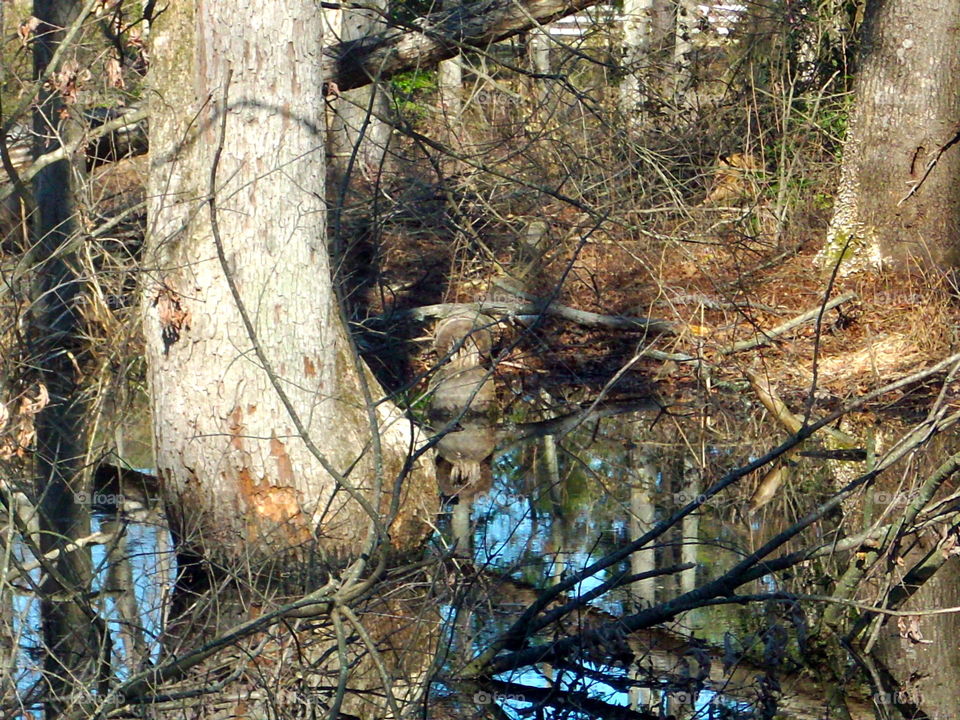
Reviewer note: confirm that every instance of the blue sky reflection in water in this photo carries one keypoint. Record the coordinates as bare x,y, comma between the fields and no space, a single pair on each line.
515,533
148,568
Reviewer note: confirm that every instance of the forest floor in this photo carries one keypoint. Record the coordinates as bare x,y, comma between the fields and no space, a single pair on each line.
721,288
720,275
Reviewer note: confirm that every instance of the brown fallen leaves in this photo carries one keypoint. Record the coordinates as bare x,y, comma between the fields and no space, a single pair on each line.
17,428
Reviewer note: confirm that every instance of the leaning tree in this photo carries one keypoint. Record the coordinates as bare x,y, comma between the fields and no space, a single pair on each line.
898,207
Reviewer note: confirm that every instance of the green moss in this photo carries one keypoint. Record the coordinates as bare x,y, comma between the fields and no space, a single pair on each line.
850,249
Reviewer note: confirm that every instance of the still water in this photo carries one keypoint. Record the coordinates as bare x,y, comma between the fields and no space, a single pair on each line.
543,510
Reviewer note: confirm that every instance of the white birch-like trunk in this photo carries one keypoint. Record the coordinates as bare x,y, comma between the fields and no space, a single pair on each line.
686,22
450,85
539,50
637,40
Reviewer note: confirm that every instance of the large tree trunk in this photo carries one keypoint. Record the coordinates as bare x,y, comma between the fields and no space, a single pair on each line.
899,200
276,465
264,436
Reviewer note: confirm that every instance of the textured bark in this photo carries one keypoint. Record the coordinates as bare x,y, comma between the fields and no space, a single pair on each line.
923,658
240,483
890,209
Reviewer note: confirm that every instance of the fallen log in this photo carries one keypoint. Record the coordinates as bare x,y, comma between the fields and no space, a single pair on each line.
533,310
768,336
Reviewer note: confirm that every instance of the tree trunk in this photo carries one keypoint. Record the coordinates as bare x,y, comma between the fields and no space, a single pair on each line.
690,550
450,87
359,137
637,34
921,652
359,140
686,23
69,625
265,437
450,95
641,463
650,27
899,201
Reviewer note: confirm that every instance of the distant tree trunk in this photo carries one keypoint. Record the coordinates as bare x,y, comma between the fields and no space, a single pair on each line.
359,136
637,27
646,26
538,51
450,91
450,85
686,22
69,625
359,142
899,200
243,484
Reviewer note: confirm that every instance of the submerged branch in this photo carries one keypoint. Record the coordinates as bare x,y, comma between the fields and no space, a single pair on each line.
522,432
